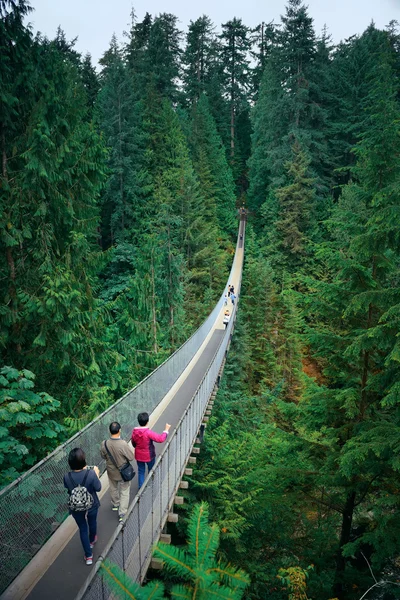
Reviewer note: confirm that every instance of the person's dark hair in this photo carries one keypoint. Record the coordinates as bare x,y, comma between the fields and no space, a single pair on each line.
77,459
115,427
143,419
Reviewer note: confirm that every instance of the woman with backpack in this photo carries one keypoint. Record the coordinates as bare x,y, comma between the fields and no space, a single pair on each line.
83,483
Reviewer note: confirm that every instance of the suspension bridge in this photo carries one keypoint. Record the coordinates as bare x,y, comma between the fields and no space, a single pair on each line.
40,551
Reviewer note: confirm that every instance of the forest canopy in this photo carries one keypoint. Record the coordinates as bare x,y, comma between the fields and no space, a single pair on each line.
119,189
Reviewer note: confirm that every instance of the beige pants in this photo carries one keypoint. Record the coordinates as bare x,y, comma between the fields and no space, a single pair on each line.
119,491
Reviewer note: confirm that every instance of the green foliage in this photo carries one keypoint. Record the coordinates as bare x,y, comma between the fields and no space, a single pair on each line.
26,431
212,169
199,58
295,578
117,203
204,575
123,587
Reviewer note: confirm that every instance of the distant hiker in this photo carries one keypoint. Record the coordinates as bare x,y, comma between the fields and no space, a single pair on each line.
121,454
226,318
225,300
83,483
229,290
233,298
142,441
232,290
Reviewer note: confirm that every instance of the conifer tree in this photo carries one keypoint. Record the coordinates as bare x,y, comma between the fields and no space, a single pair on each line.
120,115
53,163
90,81
263,39
291,106
178,211
350,71
354,339
137,45
163,55
198,58
212,168
296,212
235,46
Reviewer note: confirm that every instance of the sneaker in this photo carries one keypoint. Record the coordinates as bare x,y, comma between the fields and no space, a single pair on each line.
94,541
121,518
114,507
88,560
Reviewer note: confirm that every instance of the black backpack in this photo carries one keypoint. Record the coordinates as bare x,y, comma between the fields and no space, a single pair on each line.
80,498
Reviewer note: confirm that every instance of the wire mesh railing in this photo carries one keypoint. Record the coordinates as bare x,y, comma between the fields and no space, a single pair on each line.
132,544
34,505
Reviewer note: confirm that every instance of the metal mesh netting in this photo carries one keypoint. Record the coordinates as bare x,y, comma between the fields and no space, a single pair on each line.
131,546
33,506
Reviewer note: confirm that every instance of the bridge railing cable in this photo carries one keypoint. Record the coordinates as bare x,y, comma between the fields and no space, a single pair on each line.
131,546
33,506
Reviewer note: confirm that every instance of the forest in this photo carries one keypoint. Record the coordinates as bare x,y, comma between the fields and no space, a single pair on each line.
119,189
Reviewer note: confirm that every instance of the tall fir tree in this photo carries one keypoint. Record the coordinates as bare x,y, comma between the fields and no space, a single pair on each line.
235,46
211,165
198,58
162,60
120,116
53,170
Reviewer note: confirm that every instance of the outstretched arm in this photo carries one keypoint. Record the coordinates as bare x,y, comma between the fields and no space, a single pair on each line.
159,437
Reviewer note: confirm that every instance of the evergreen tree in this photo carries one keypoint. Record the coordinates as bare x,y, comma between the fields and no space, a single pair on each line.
53,170
350,84
163,55
268,131
291,106
263,38
296,211
90,81
198,58
212,168
137,44
120,115
354,339
235,46
178,212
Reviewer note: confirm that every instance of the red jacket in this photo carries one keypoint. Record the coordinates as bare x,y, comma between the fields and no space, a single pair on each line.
142,441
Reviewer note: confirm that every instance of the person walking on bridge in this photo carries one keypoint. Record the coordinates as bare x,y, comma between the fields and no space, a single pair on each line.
122,453
226,319
143,439
85,483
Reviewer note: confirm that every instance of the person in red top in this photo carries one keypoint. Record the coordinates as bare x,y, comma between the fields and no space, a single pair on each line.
143,439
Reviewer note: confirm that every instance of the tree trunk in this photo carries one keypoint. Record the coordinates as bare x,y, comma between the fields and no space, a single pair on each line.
347,517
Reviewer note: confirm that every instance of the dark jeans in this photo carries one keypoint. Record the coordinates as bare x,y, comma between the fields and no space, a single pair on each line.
142,470
87,523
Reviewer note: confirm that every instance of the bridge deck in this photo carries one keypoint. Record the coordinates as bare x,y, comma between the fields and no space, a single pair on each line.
58,570
65,576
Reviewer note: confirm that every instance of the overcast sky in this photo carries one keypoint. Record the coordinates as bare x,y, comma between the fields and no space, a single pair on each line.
94,21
